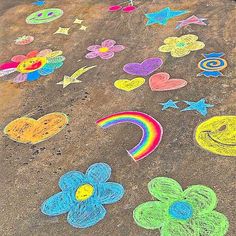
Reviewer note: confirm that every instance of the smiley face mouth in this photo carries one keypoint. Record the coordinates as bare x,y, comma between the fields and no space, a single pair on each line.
34,66
216,141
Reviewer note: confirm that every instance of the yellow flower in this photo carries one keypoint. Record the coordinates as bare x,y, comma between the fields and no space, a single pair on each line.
182,46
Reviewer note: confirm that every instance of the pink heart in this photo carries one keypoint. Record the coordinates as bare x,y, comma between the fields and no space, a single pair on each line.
162,82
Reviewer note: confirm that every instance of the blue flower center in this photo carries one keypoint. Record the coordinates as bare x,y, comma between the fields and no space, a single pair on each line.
181,210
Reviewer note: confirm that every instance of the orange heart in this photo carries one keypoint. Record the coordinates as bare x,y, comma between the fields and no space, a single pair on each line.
29,130
162,82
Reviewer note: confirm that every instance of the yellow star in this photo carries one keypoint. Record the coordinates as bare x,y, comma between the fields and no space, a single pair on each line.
77,21
83,27
62,30
67,80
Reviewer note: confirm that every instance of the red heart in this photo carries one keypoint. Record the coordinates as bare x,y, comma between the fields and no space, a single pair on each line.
162,82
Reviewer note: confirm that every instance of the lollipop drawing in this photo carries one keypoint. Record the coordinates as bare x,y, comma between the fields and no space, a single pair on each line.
119,7
212,64
32,65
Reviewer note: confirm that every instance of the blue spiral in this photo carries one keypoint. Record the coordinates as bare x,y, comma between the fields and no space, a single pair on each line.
212,64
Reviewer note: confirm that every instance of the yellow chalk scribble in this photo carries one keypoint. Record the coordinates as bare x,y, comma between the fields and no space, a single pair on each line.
67,80
62,30
29,130
129,85
218,135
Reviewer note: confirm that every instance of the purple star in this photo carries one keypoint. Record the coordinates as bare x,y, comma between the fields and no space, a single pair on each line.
191,20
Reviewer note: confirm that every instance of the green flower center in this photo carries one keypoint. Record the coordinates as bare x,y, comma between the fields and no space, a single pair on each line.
181,210
181,44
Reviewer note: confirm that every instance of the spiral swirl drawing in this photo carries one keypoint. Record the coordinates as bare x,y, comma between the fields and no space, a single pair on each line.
212,64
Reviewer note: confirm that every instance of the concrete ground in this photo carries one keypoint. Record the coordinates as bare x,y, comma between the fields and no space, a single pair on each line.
29,173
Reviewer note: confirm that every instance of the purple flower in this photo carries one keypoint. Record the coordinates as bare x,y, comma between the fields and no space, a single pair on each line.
105,51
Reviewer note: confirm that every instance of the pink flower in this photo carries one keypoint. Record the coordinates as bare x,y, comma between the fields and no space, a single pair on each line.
105,51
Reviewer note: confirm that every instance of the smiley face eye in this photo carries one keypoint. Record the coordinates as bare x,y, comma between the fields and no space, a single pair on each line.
50,13
222,128
40,14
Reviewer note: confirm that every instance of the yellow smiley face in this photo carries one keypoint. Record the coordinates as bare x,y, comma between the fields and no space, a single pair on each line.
218,135
31,64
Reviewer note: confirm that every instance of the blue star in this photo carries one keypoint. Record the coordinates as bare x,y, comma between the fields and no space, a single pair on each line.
39,3
169,104
161,17
200,106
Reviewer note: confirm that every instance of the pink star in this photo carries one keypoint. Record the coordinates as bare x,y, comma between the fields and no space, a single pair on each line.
191,20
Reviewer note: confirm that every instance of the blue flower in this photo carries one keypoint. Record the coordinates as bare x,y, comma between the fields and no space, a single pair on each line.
83,196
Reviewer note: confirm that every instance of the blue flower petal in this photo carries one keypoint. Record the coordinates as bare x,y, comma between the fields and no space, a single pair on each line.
46,70
33,76
85,215
109,192
99,172
58,204
55,65
71,180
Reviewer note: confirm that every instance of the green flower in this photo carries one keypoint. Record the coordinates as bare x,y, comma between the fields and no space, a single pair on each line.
181,213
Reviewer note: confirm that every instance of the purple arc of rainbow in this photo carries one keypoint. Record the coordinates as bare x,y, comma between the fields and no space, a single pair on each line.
152,131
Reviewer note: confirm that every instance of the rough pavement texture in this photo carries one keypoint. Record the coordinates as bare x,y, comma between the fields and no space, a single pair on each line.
29,173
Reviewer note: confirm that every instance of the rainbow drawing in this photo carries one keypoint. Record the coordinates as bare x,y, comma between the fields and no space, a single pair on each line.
152,131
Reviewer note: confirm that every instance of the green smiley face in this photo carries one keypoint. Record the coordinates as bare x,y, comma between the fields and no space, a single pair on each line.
44,16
